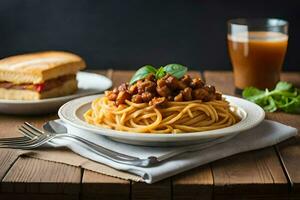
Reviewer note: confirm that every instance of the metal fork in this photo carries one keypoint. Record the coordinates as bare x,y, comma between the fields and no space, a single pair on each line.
39,138
16,140
24,142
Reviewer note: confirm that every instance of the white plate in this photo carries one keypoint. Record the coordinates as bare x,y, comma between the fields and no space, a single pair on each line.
88,83
251,114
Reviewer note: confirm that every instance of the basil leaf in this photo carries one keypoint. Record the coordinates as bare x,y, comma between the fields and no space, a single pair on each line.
176,70
160,73
142,73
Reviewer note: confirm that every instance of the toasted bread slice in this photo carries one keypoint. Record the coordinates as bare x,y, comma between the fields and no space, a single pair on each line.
38,67
68,87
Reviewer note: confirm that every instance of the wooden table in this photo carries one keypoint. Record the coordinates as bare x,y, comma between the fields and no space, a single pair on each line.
270,173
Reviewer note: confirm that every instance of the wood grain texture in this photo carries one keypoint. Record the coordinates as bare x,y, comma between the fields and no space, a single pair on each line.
250,174
7,159
158,191
29,175
11,196
194,184
9,128
223,80
9,123
120,76
293,77
99,186
290,150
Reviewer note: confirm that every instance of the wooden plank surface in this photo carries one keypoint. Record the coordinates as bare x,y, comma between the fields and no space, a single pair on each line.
290,150
10,182
40,176
7,159
256,174
98,186
158,191
194,184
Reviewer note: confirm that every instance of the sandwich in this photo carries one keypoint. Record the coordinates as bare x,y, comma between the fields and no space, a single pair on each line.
39,75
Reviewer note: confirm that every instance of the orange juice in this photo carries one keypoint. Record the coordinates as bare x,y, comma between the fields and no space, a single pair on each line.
257,58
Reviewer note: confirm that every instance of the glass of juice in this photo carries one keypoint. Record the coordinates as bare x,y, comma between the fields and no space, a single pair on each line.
257,49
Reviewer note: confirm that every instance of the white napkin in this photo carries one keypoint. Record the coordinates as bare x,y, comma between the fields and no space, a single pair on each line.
266,134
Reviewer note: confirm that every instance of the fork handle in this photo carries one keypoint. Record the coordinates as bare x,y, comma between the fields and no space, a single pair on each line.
110,154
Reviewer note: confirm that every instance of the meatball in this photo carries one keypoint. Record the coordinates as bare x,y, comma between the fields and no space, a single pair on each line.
137,98
187,94
122,96
178,97
197,83
200,94
158,102
147,96
111,95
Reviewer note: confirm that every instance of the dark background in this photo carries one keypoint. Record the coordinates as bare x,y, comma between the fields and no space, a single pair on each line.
127,34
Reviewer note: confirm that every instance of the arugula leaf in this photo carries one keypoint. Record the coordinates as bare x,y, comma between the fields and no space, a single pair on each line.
284,97
253,94
292,107
176,70
271,105
283,86
142,73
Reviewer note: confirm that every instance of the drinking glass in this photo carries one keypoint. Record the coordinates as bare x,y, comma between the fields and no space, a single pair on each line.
257,48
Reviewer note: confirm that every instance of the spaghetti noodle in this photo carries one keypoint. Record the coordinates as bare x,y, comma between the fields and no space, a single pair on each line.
175,117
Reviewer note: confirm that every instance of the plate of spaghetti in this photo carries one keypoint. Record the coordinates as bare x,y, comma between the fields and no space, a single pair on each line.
162,107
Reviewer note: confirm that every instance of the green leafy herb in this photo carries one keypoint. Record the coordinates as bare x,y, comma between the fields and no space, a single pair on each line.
142,73
176,70
283,86
284,97
160,73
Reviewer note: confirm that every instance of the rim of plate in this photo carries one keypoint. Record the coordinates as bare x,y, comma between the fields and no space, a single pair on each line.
254,115
71,96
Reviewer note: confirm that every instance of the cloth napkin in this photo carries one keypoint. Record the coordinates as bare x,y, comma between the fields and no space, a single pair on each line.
266,134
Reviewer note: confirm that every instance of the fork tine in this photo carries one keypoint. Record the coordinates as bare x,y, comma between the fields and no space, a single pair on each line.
31,138
23,144
33,143
22,129
34,137
21,141
36,130
13,140
26,130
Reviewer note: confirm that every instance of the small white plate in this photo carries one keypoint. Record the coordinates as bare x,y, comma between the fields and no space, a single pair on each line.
251,114
88,83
